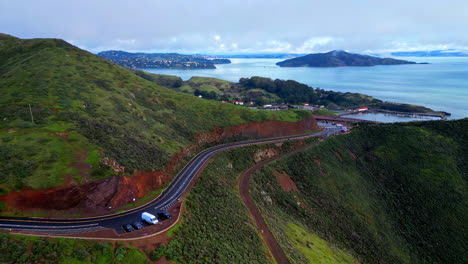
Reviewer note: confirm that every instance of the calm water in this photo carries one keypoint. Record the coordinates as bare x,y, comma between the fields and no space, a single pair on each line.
386,118
441,85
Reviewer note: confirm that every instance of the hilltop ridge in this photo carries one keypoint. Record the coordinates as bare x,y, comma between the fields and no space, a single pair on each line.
69,117
339,58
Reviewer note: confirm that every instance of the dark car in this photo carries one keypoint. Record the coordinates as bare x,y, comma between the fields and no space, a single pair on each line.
164,215
128,228
138,225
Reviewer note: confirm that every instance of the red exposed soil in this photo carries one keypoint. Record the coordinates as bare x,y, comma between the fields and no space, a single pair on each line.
285,181
317,162
103,196
338,156
351,154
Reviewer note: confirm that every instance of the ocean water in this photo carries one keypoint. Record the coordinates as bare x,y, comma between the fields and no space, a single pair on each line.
441,85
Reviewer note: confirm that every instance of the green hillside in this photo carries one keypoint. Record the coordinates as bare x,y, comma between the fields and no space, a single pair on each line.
261,90
29,249
394,193
86,110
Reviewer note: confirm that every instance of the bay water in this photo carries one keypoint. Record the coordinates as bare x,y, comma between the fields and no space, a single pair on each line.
441,85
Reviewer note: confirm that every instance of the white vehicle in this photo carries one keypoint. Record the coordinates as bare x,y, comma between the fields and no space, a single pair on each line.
149,218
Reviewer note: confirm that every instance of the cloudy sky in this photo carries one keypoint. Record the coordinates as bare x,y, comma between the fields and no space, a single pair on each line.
242,26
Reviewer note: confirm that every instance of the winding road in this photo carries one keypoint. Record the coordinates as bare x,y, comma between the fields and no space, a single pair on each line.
168,198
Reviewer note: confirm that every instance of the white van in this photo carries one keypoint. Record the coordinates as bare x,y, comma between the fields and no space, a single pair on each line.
149,218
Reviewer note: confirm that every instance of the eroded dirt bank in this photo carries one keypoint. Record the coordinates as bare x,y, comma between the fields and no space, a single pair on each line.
104,196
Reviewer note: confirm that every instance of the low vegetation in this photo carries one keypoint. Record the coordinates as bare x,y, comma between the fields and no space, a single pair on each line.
394,193
26,249
315,249
217,227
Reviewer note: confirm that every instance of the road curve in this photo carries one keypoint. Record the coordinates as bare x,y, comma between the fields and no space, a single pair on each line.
167,199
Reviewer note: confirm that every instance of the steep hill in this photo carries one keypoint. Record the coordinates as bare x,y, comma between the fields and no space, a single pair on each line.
68,117
339,58
395,193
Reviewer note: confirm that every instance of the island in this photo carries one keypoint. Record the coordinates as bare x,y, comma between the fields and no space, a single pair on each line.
339,58
157,60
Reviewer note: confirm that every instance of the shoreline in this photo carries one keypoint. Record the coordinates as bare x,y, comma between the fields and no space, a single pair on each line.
422,116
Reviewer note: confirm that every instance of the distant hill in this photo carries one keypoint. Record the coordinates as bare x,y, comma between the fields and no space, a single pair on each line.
157,60
433,53
261,90
339,58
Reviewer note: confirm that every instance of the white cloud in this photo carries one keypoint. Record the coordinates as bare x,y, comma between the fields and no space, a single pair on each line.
242,26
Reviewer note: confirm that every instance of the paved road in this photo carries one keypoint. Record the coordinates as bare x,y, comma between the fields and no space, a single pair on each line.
166,200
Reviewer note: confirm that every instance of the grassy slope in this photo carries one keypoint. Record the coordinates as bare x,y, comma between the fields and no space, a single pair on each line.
217,227
315,249
106,111
392,193
26,249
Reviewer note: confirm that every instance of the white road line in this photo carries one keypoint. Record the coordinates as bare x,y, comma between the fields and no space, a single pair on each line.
47,227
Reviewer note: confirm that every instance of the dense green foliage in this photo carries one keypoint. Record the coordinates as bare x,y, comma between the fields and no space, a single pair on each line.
262,91
86,109
23,249
216,227
339,58
394,193
292,92
161,79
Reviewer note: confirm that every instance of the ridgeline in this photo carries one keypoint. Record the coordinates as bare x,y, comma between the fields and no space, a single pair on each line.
69,117
339,58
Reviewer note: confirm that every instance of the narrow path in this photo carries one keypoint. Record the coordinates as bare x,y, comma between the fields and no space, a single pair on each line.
267,235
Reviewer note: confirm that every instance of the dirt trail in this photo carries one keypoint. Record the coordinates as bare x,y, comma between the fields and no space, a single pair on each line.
267,235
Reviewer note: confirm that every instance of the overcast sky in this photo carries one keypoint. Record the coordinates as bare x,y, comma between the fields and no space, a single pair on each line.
242,26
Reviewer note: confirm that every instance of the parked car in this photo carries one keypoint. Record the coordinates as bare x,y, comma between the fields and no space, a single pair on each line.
163,215
128,228
149,218
138,225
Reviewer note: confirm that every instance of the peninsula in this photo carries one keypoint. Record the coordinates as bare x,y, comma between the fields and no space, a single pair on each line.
159,60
